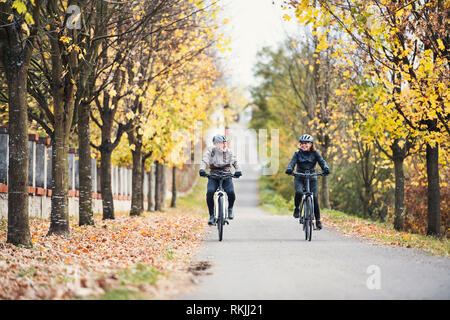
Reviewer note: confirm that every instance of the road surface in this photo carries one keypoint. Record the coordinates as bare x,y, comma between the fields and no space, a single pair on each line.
265,256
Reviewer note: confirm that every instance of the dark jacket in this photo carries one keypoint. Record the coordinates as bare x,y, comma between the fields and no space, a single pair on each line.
306,160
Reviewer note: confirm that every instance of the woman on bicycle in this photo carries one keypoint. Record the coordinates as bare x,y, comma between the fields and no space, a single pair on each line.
219,159
306,158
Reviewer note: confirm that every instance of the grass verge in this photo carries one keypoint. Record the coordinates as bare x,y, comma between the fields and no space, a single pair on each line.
130,280
196,199
271,201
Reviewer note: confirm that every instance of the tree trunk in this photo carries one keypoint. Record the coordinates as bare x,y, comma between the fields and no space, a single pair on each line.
160,187
59,217
150,204
136,192
365,203
106,149
399,210
62,90
86,216
157,183
163,187
434,196
173,203
15,56
106,185
85,86
18,224
141,203
325,192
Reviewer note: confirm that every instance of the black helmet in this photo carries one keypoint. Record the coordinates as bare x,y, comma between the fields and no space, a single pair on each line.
218,138
306,138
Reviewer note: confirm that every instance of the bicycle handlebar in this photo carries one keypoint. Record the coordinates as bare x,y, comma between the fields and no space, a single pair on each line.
220,176
307,175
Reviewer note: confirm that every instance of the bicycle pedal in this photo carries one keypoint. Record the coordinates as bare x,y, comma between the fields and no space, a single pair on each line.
226,222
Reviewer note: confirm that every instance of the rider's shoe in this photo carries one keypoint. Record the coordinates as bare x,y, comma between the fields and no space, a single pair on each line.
318,225
296,213
211,220
230,213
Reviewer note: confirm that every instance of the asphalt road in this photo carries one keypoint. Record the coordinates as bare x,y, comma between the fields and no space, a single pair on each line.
265,256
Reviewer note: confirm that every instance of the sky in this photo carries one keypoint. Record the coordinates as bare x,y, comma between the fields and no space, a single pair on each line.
252,25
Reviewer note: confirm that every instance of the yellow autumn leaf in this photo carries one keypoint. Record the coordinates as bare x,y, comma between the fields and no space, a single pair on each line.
29,18
65,39
26,29
19,6
130,115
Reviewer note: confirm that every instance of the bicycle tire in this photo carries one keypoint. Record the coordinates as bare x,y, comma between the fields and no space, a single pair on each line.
308,219
220,219
311,215
305,220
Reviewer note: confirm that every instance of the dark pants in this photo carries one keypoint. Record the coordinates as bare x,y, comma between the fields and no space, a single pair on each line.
300,184
211,188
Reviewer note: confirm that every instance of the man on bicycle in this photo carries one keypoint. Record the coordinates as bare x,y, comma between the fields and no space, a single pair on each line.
306,158
219,159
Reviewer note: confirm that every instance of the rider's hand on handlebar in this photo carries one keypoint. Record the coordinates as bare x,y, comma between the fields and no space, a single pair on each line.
326,171
237,174
202,173
288,171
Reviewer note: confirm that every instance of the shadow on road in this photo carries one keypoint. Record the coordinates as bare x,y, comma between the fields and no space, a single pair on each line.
262,240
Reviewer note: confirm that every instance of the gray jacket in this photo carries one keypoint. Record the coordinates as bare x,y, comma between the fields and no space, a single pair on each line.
219,161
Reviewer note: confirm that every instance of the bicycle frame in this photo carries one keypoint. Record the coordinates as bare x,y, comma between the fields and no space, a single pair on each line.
220,194
308,212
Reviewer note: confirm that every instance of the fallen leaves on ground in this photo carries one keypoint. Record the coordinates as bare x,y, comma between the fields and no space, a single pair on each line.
89,261
383,234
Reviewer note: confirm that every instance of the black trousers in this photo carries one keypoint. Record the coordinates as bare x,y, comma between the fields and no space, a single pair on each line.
211,188
300,185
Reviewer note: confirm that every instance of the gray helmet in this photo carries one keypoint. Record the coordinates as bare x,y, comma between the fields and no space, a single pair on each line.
306,138
218,138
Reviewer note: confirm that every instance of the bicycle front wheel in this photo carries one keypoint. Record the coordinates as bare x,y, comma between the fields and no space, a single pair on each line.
308,219
311,217
220,220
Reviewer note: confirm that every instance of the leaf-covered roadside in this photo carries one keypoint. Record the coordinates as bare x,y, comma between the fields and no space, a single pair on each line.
96,260
383,233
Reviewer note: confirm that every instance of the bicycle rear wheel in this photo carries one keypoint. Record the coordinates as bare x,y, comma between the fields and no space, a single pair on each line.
220,220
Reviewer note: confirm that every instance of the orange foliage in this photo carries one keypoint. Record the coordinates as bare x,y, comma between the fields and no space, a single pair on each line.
416,203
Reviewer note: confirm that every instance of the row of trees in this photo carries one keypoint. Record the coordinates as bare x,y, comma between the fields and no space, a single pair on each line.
117,74
371,84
